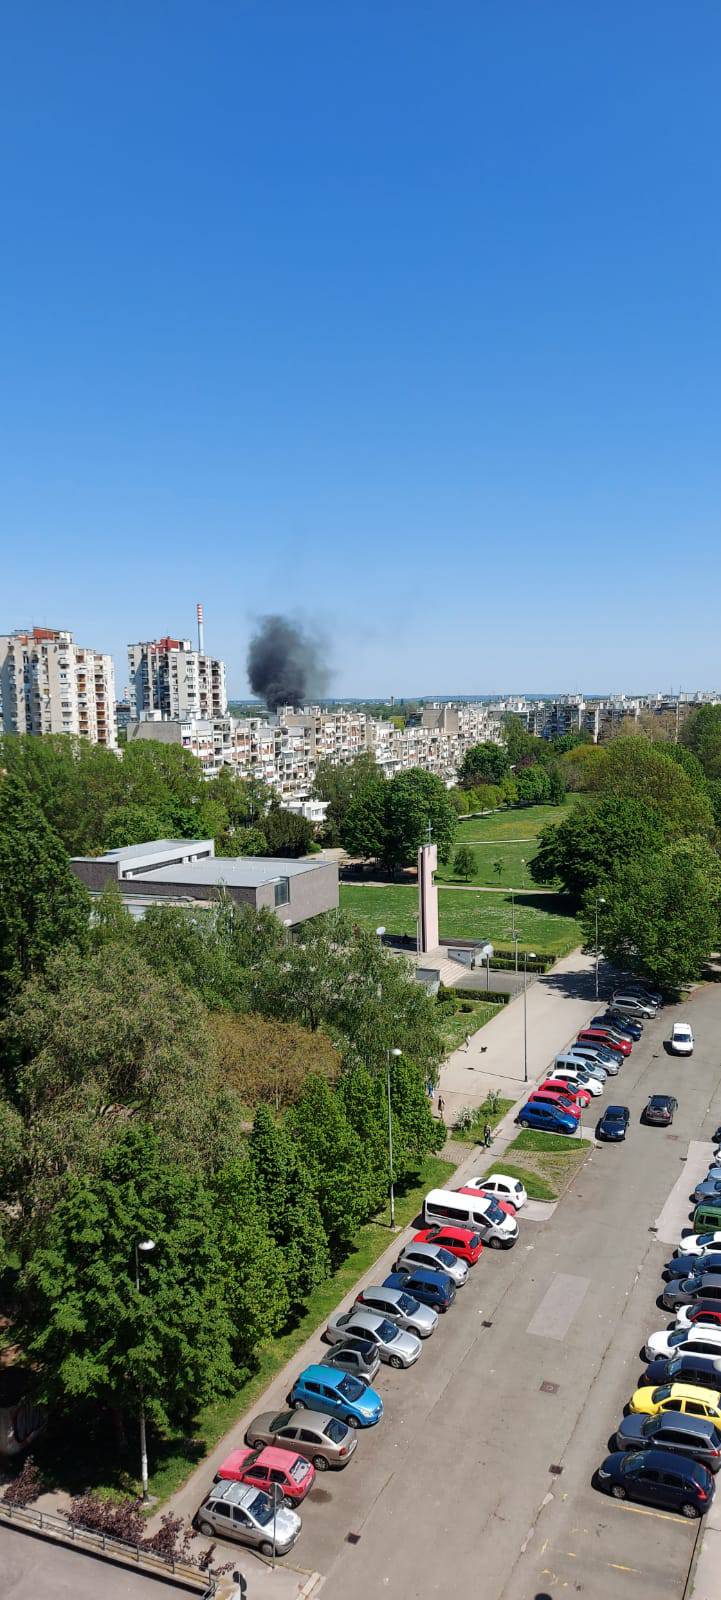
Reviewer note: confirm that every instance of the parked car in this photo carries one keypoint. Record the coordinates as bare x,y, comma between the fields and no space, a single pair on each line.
401,1308
659,1110
594,1057
504,1206
467,1210
503,1187
325,1440
633,1026
464,1243
236,1511
578,1078
357,1356
576,1092
685,1397
709,1189
699,1244
698,1286
632,1005
436,1258
320,1388
685,1266
434,1289
614,1123
546,1097
696,1437
616,1033
659,1478
688,1367
550,1118
399,1349
681,1041
642,992
268,1468
604,1036
699,1314
707,1216
699,1338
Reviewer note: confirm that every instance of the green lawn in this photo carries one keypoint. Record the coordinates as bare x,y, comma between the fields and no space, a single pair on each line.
513,860
456,1024
74,1461
483,1114
546,1162
522,822
541,922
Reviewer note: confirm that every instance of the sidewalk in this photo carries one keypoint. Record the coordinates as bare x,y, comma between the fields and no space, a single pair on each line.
557,1006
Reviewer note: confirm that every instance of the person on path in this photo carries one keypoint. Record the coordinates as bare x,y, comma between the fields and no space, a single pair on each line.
467,1041
487,1135
441,1106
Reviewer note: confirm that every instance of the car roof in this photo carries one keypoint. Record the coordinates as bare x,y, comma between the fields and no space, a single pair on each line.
452,1229
365,1319
316,1373
660,1099
235,1494
660,1460
682,1027
366,1347
687,1424
690,1391
616,1111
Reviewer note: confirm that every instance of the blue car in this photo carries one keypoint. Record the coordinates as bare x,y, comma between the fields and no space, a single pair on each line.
339,1393
551,1119
614,1123
704,1372
434,1289
684,1266
661,1478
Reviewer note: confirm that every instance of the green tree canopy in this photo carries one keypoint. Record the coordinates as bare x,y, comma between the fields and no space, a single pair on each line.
533,786
284,1189
414,801
581,850
340,786
701,734
42,904
483,763
333,1157
634,768
661,912
254,1273
464,862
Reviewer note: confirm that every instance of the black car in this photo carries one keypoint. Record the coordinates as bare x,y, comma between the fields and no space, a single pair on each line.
697,1437
357,1356
703,1371
615,1025
660,1478
630,1025
614,1123
685,1266
660,1109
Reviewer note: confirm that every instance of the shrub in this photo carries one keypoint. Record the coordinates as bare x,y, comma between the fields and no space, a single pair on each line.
26,1486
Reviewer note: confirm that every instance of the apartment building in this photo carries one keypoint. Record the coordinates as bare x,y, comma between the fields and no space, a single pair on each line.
170,677
49,684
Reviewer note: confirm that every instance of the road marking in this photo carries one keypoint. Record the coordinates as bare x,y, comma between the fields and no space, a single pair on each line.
553,1317
644,1511
618,1568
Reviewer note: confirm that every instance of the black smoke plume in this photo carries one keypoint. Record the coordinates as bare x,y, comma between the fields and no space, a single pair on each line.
285,665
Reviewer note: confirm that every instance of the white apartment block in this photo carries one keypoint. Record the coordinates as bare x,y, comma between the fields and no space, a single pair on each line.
49,684
170,677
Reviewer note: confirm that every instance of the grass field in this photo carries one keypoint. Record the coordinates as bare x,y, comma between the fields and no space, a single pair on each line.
512,858
542,923
545,1164
524,822
456,1024
490,1111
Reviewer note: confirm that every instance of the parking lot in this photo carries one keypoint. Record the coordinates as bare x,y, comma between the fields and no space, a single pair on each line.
481,1468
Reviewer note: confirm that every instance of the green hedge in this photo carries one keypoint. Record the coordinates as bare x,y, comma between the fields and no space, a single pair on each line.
490,996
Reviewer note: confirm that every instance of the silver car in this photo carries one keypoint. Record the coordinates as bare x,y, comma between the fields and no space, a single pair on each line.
357,1356
434,1256
700,1286
324,1440
399,1349
401,1307
236,1511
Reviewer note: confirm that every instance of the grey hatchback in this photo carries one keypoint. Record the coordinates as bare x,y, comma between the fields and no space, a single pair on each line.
358,1356
699,1286
697,1437
324,1440
237,1511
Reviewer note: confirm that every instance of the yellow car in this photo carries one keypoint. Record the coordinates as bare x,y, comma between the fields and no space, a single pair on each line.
678,1397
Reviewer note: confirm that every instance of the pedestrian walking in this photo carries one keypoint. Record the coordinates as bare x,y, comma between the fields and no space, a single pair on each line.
467,1041
487,1135
441,1106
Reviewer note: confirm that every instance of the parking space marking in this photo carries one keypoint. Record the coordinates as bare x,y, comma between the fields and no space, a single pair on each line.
553,1317
646,1511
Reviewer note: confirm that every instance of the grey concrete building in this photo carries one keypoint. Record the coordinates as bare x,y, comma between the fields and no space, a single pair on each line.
188,872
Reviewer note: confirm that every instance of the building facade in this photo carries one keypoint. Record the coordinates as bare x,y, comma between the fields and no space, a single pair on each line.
169,677
49,684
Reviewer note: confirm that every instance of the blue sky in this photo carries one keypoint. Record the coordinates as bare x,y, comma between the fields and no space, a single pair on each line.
401,317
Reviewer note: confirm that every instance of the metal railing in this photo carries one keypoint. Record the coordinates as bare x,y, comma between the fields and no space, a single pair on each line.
105,1544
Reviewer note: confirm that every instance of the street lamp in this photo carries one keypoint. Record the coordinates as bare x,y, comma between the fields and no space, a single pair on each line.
526,954
144,1246
392,1054
277,1491
514,935
601,901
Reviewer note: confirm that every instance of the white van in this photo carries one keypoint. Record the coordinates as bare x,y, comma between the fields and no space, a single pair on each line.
496,1227
575,1076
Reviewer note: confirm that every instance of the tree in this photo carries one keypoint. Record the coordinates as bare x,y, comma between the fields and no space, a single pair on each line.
198,949
362,827
286,833
701,733
533,786
254,1274
464,862
340,785
294,1218
42,904
556,785
416,801
268,1062
661,912
333,1157
134,824
95,1340
636,769
520,745
483,763
363,1097
580,851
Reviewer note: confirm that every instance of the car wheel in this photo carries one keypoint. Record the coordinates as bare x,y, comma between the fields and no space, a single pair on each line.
618,1491
206,1530
352,1422
395,1361
522,1122
689,1511
495,1244
266,1548
320,1464
254,1444
300,1405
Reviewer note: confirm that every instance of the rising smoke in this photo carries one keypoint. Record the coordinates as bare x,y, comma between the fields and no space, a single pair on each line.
285,665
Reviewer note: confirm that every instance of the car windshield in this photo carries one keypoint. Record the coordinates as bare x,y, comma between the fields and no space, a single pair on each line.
474,1241
678,1337
350,1388
261,1509
388,1331
446,1258
494,1213
335,1430
299,1470
280,1421
662,1393
407,1304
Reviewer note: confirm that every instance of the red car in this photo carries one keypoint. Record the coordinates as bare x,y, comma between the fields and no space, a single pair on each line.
579,1096
268,1466
623,1047
706,1314
504,1205
461,1242
555,1097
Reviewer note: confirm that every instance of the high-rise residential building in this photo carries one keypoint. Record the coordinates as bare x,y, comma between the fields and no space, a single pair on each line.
169,676
49,684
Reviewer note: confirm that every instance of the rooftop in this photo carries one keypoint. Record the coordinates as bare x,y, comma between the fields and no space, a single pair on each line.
242,872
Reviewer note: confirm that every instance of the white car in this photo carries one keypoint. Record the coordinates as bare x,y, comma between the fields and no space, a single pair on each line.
684,1314
701,1339
577,1080
501,1187
698,1244
681,1041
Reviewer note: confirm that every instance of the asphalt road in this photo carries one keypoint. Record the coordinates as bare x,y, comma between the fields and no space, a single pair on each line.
480,1474
33,1569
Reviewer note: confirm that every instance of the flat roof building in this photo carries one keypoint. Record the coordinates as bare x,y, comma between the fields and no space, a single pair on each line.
187,872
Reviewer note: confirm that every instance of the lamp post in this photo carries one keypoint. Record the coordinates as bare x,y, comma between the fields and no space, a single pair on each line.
514,935
601,901
392,1054
146,1246
526,954
277,1500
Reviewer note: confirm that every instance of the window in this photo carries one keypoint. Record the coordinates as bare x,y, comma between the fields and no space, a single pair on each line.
281,891
221,1510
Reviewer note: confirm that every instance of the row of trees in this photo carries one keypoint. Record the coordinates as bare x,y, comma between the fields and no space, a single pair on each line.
196,1079
382,819
641,848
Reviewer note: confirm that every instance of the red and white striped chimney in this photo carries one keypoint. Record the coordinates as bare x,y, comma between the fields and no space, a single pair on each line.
201,629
